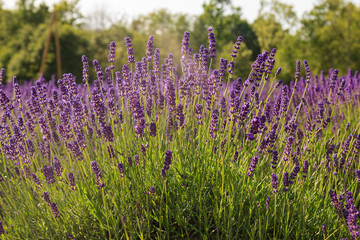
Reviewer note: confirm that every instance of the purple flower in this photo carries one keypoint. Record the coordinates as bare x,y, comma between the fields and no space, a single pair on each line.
152,190
70,236
333,78
306,168
137,160
57,167
95,168
130,50
287,149
55,210
267,203
185,43
294,173
111,152
170,95
307,70
108,133
286,181
198,111
357,174
298,68
180,115
2,231
236,47
222,67
212,44
153,129
275,157
277,72
17,89
167,162
121,169
36,179
214,123
47,198
99,73
156,63
85,69
149,48
336,202
252,166
323,228
274,180
112,50
72,180
49,174
236,155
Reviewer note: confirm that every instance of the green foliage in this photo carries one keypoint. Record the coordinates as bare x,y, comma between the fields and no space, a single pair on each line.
327,35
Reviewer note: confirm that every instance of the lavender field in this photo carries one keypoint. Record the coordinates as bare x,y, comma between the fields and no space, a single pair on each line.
181,149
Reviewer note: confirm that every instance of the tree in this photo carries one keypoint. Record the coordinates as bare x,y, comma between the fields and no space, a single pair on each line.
333,29
23,37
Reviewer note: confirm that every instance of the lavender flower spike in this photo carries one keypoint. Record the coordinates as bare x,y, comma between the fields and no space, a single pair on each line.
2,231
55,210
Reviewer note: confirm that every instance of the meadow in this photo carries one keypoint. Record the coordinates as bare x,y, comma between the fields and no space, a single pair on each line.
181,149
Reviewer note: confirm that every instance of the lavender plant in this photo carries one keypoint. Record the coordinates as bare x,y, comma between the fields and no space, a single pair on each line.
143,152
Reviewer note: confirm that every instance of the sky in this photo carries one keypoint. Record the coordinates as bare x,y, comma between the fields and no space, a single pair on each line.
132,8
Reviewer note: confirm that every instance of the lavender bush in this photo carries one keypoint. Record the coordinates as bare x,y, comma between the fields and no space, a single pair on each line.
181,149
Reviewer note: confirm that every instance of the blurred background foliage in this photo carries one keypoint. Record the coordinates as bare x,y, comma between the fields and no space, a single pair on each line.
327,36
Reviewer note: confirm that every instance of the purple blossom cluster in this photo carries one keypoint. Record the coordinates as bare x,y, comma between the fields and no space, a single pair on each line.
124,123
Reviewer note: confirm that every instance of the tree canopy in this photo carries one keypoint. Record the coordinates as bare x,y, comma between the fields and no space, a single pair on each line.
327,35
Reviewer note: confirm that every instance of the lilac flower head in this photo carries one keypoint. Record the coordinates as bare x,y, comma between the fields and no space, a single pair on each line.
212,44
57,167
185,43
214,123
36,179
286,181
149,48
112,50
336,202
152,190
298,68
236,47
180,115
278,72
357,174
236,155
252,166
121,169
49,174
99,73
267,203
72,180
153,129
274,180
130,50
96,170
2,231
275,157
333,78
47,198
307,70
137,160
16,89
167,162
198,111
55,210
